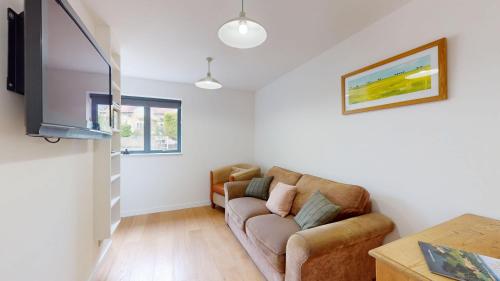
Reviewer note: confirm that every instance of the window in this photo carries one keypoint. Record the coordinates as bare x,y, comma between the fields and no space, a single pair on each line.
150,125
100,112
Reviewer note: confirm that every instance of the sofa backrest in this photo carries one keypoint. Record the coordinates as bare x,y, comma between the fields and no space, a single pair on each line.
282,175
353,199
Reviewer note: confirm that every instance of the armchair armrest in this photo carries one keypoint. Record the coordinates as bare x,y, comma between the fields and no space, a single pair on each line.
220,175
337,250
245,175
235,189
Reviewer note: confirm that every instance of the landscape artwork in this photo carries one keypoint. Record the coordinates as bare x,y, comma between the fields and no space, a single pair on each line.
460,265
416,76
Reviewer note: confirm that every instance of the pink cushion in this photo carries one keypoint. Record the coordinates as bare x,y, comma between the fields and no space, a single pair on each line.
281,199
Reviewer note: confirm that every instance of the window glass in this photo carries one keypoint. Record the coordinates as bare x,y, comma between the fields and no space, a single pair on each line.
103,117
164,129
132,128
150,125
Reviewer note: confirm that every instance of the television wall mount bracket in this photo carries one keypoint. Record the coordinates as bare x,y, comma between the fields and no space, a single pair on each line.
15,65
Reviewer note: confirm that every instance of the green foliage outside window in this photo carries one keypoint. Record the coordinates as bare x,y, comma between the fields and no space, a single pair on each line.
126,131
170,125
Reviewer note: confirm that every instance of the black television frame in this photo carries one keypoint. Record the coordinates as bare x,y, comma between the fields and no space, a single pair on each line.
35,58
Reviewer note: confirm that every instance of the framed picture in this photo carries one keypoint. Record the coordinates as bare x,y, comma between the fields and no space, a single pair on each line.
416,76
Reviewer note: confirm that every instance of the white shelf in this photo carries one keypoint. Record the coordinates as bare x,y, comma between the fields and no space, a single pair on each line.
114,226
114,201
115,86
115,65
107,154
115,177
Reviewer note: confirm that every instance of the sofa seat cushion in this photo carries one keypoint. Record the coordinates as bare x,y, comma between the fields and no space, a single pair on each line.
270,233
219,188
244,208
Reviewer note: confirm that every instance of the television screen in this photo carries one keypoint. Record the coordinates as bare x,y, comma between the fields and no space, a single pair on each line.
71,96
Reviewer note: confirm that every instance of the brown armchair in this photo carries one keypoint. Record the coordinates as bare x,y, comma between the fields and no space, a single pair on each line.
218,177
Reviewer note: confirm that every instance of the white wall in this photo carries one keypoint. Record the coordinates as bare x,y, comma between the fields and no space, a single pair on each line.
217,130
422,164
46,195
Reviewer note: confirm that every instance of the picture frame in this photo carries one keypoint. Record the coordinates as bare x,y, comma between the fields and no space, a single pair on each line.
413,77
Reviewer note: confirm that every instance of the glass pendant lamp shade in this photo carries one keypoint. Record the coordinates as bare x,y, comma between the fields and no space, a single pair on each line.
242,32
208,83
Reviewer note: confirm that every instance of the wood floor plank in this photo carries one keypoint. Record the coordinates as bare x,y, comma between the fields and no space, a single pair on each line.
184,245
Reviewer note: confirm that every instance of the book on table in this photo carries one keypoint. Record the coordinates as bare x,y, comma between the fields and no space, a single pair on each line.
460,265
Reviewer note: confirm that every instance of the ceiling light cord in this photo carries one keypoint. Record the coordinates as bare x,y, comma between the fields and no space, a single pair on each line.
242,13
209,60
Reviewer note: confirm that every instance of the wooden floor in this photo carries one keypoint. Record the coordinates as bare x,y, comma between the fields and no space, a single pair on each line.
192,244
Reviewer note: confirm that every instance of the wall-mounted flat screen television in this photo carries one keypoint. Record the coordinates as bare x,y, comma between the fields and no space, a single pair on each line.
67,76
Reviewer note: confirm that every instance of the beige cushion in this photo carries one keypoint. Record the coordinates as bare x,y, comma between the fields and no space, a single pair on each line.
282,175
241,209
351,198
281,199
270,233
235,170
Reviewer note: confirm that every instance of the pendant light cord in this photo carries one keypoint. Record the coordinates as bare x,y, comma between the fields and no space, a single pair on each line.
242,6
209,60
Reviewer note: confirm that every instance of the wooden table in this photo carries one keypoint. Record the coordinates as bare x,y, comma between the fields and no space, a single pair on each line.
403,260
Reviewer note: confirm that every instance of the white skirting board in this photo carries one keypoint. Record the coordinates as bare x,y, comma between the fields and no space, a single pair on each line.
103,251
164,208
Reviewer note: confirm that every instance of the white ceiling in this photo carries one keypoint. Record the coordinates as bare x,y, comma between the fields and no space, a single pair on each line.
169,39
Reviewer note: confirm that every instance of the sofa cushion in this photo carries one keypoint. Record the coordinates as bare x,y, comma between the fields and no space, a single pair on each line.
282,175
259,188
281,199
244,208
351,198
270,233
318,210
235,170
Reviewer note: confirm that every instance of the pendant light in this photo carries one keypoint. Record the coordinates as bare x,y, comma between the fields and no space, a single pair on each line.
242,32
208,82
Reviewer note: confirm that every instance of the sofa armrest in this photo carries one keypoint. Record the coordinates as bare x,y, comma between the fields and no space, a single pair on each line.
220,175
245,175
337,250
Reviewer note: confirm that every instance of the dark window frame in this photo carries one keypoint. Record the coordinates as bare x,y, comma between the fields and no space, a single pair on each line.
147,103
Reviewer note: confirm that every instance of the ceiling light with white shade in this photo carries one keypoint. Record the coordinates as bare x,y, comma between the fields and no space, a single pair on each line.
242,32
208,83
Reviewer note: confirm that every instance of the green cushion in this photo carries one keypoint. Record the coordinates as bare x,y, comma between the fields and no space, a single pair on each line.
259,188
318,210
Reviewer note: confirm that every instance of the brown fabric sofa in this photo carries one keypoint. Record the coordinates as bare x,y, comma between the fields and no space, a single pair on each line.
336,251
